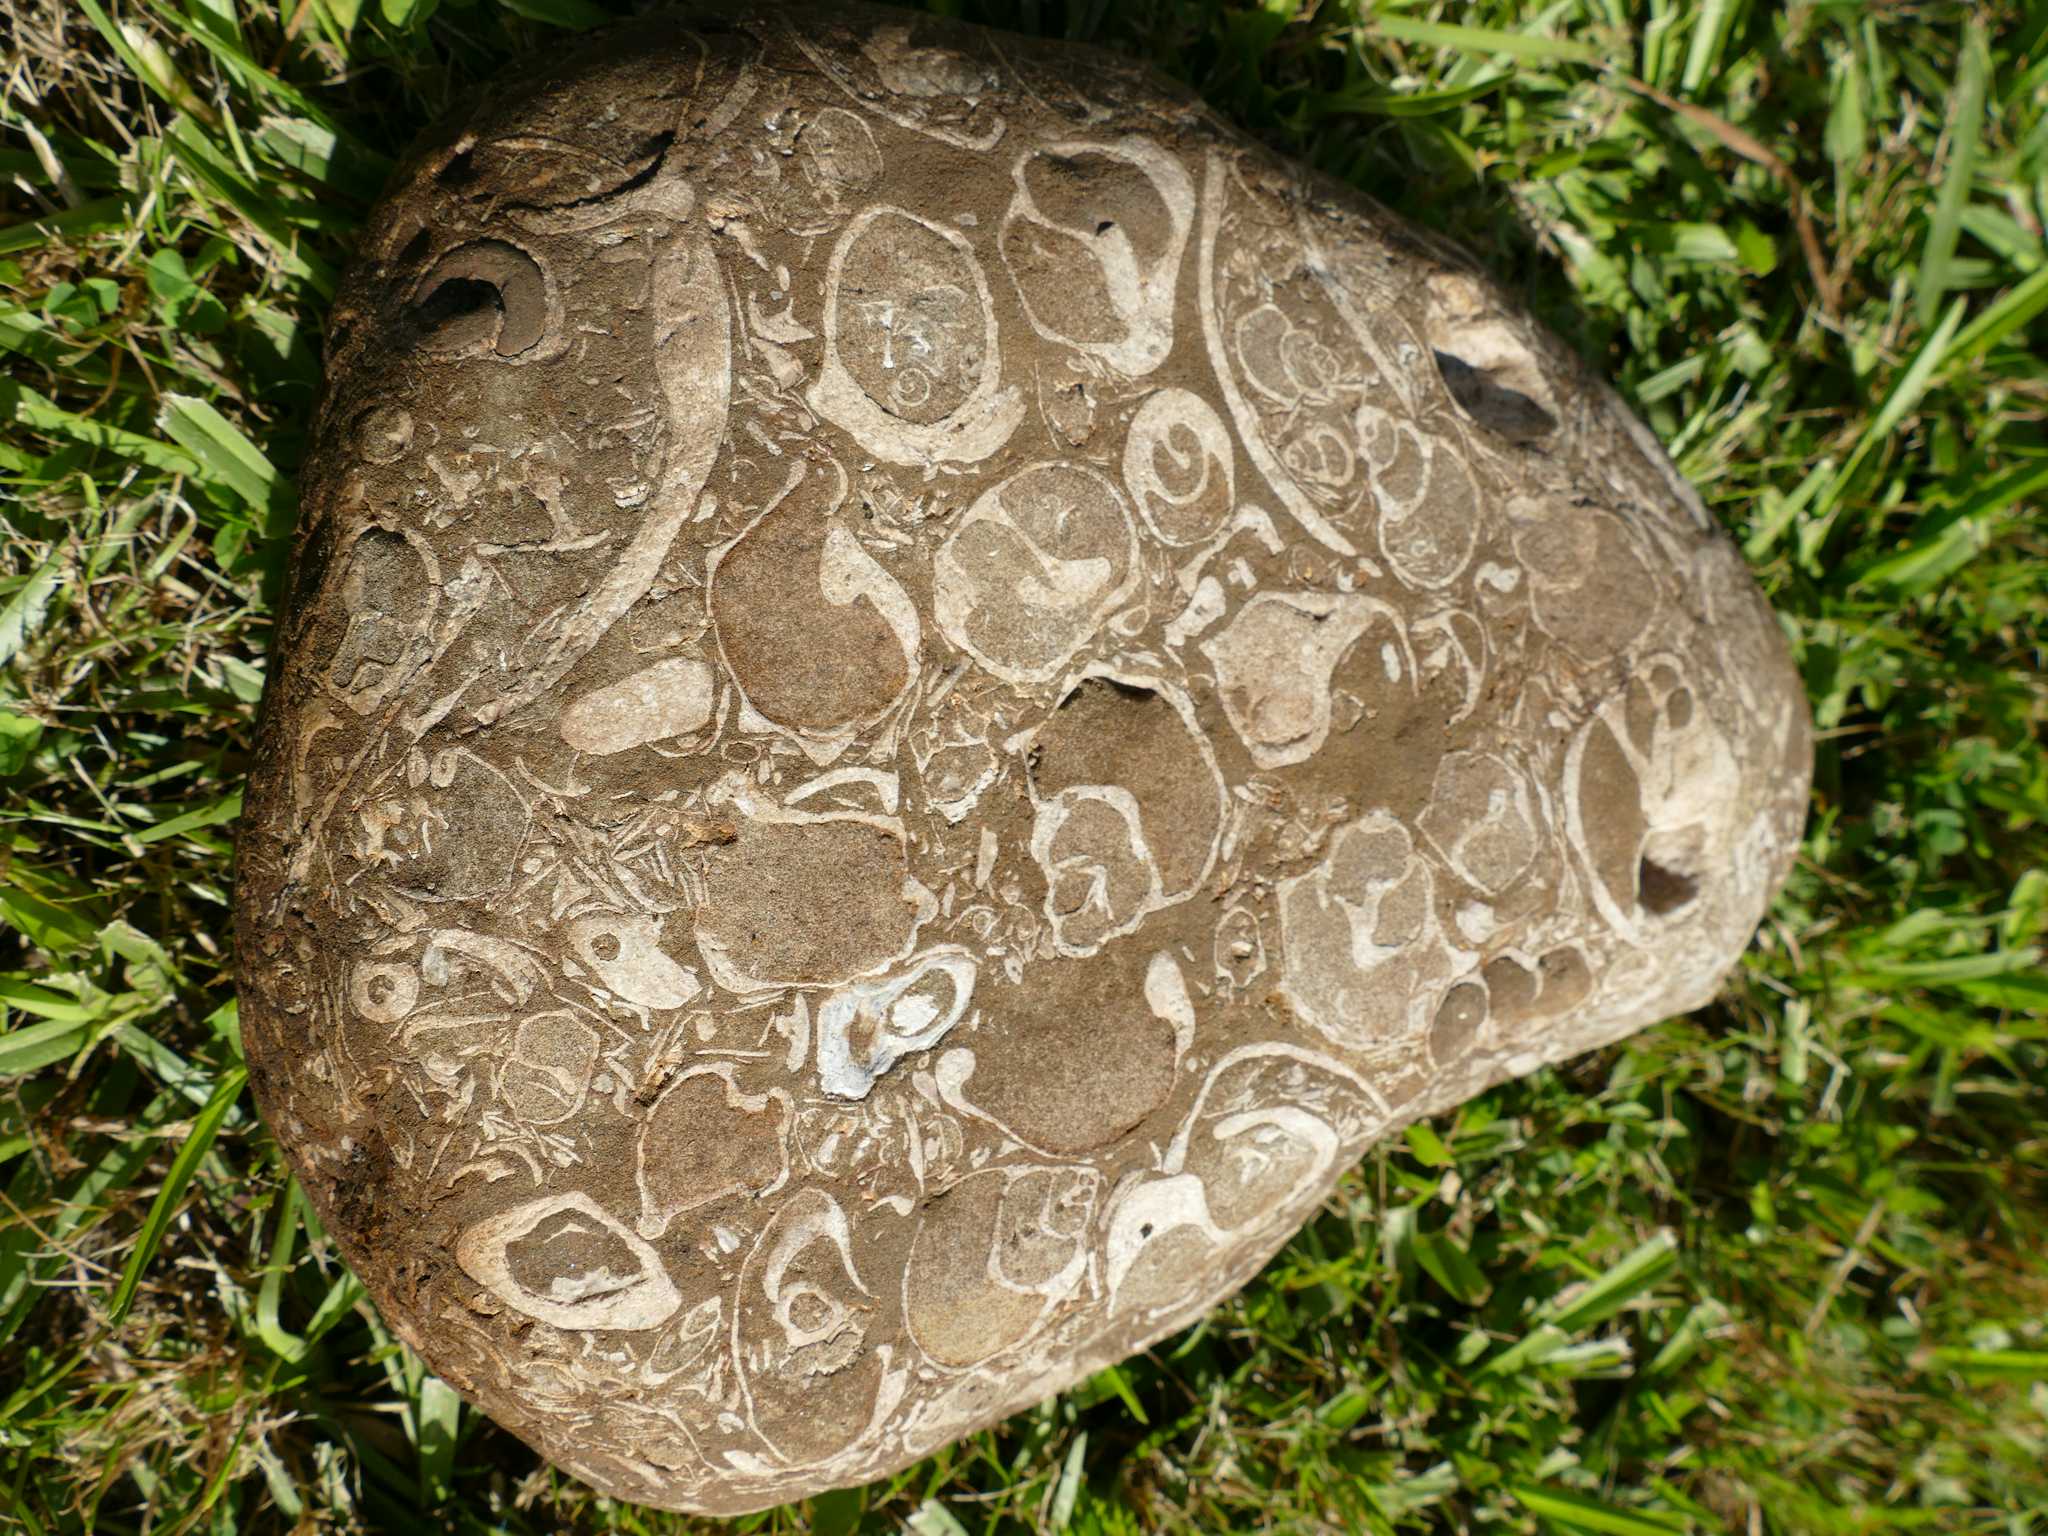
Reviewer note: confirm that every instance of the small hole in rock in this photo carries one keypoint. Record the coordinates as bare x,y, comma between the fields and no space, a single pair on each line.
1105,226
1663,891
460,313
415,249
457,298
460,169
487,296
1493,405
1130,693
654,146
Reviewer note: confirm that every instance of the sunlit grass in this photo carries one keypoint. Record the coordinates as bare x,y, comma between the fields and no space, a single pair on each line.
1778,1267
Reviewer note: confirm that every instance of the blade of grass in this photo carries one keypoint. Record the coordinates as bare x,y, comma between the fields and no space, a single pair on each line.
26,408
213,814
1402,103
1905,394
1637,1273
226,456
1945,542
1576,1512
29,604
1966,116
574,15
438,1415
1068,1490
1488,42
2018,307
95,217
2026,1364
35,1046
197,1143
215,173
1711,22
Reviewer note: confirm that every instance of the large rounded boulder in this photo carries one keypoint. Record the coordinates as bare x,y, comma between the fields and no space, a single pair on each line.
921,691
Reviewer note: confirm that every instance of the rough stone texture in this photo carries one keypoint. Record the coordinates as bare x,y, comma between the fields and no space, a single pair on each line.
921,690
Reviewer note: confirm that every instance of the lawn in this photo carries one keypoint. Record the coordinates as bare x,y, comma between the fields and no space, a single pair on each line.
1780,1266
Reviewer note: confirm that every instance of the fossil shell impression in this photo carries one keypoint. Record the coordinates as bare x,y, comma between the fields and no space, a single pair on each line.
920,691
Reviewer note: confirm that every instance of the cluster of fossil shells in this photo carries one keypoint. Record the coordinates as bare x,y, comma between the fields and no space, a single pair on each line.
920,692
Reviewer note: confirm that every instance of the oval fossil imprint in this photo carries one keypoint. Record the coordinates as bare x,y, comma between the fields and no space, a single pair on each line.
920,693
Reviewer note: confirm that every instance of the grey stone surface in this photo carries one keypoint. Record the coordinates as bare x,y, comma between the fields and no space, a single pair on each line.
921,690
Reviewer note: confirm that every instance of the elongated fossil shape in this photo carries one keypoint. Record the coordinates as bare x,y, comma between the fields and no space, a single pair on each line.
921,691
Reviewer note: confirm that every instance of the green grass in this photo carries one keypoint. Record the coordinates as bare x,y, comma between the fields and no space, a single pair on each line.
1781,1266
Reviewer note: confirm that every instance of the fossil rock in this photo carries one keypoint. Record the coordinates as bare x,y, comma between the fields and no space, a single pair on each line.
921,691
